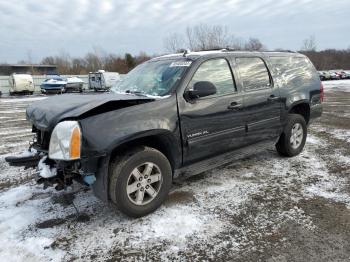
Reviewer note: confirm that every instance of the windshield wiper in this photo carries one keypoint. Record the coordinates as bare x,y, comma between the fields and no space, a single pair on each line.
137,93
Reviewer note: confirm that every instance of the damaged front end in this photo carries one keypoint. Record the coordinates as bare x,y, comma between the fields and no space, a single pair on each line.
55,156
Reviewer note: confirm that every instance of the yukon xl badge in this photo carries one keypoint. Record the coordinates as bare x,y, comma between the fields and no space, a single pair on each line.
197,134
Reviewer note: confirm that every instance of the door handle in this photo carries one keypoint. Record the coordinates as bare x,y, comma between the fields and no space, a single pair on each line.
234,106
273,98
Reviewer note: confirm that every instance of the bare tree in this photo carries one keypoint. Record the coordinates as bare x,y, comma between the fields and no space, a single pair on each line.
49,60
63,62
94,62
207,37
309,44
29,56
78,66
204,37
174,43
254,44
190,38
236,43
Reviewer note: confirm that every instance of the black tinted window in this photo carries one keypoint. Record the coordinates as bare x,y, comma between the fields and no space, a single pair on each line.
253,72
218,72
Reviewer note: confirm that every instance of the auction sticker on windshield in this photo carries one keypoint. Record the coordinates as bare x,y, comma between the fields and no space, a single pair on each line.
180,63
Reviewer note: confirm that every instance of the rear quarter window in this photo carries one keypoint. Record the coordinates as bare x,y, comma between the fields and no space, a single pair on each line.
293,71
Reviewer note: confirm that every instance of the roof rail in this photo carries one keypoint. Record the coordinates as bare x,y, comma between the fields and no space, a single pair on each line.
282,50
228,49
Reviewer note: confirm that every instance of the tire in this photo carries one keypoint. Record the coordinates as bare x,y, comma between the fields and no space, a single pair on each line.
287,146
121,177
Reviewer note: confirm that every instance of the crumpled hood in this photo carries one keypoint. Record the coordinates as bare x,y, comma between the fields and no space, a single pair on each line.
46,113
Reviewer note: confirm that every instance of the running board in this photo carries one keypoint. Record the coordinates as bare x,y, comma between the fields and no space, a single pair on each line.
217,161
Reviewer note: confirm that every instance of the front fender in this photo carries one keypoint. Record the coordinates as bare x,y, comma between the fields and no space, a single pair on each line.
103,133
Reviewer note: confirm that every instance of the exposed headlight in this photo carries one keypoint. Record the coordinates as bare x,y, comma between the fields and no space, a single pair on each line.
65,141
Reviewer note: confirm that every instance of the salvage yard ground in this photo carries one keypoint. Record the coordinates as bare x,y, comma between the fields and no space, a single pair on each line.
263,208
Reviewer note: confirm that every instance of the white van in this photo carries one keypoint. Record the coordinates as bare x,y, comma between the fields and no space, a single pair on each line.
21,83
102,80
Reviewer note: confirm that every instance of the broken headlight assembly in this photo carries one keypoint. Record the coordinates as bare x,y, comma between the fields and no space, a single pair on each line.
65,142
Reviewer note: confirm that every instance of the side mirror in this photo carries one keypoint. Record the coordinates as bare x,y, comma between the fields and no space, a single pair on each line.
202,89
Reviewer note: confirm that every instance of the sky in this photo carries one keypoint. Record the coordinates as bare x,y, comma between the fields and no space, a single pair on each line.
33,29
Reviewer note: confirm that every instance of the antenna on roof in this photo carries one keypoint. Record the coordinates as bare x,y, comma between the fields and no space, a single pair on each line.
186,52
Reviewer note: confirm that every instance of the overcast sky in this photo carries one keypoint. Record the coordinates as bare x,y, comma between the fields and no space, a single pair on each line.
39,28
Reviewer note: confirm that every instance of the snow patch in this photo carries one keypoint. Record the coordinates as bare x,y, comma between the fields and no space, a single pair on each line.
313,140
342,134
171,224
45,170
27,153
22,99
15,219
11,132
337,85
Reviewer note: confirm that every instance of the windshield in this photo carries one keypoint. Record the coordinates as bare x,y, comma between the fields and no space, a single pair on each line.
155,78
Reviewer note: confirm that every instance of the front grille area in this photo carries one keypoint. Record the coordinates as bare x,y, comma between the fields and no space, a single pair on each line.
41,139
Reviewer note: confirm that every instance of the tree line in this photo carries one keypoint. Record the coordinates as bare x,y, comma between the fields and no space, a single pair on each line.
329,59
94,61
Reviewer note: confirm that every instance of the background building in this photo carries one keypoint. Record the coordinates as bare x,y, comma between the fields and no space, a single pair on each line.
33,69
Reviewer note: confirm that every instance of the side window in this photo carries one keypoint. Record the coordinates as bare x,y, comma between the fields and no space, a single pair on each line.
293,71
218,72
253,72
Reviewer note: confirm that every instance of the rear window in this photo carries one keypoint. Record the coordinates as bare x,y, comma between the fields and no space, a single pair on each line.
292,70
253,73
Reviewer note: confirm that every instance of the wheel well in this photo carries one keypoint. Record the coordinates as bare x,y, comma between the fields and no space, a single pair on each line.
301,109
163,143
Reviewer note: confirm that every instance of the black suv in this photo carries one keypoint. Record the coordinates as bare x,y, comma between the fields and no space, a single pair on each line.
173,116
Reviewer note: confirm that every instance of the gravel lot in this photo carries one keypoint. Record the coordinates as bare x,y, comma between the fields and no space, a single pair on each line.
263,208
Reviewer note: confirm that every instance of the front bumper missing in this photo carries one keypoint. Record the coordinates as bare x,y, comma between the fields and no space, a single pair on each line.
27,161
50,173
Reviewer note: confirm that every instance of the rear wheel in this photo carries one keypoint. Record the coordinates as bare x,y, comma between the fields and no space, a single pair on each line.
293,139
140,181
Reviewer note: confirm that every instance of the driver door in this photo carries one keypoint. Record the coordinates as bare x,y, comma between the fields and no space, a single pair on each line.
213,124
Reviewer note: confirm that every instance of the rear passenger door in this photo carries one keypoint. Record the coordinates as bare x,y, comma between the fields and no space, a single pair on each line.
261,99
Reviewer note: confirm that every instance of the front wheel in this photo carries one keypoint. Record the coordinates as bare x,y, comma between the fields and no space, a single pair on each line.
293,139
140,181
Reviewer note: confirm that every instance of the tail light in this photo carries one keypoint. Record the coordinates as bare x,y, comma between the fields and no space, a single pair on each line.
321,92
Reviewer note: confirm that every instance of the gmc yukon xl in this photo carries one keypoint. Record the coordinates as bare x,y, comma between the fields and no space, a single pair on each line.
173,116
